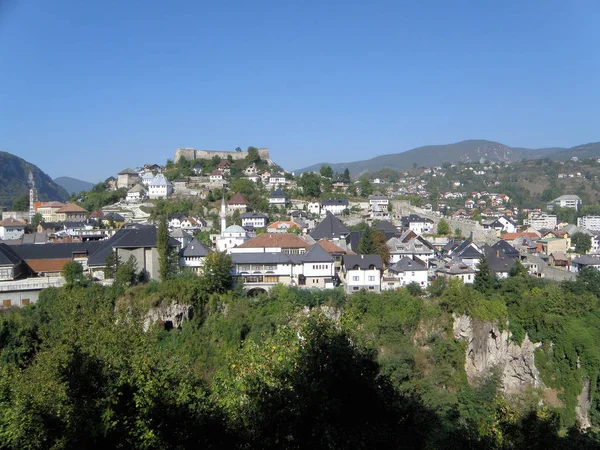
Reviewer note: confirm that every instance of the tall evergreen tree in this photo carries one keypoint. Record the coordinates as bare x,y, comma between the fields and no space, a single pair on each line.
367,244
485,280
162,247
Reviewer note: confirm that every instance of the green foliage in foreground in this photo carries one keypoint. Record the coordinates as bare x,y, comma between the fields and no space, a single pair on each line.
292,369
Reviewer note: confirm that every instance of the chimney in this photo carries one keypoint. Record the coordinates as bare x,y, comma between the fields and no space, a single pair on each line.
497,253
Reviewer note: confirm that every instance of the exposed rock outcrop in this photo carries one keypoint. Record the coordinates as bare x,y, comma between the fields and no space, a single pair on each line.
171,315
584,403
489,348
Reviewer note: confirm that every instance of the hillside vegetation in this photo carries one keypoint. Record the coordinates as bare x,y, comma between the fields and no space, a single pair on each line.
293,369
14,181
473,150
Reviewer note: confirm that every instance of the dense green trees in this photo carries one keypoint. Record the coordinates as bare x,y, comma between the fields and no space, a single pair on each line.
582,242
84,368
443,228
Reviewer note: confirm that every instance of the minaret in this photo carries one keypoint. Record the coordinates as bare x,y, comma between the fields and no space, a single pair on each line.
33,196
223,215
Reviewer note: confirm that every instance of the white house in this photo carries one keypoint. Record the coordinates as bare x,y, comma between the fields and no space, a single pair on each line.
11,229
193,223
565,201
335,206
581,262
589,222
147,178
160,187
314,208
541,221
457,269
136,194
362,272
419,225
278,198
237,202
254,220
193,256
406,271
175,220
277,180
216,176
379,199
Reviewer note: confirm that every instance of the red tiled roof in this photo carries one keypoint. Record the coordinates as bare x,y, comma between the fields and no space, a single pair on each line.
238,199
216,172
283,240
10,222
51,205
332,248
72,208
97,215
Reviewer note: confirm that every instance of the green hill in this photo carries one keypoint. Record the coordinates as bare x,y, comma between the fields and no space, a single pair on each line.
14,175
73,185
473,150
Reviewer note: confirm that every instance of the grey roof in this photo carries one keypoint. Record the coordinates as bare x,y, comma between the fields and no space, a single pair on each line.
413,218
362,261
265,258
567,197
278,193
387,227
180,217
276,175
55,251
335,202
406,264
455,267
128,171
8,257
253,215
467,250
498,260
317,254
195,248
377,196
141,236
505,247
160,180
587,260
137,188
353,239
178,233
330,227
114,216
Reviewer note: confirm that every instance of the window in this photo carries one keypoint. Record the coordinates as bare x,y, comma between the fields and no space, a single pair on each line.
270,279
355,288
25,302
355,278
371,288
371,278
6,303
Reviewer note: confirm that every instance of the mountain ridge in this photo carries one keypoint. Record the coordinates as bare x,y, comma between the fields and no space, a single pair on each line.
463,151
73,185
14,181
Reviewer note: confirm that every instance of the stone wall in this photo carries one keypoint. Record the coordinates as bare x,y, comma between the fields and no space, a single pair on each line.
191,154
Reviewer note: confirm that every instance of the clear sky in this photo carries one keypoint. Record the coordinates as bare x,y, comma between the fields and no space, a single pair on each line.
88,88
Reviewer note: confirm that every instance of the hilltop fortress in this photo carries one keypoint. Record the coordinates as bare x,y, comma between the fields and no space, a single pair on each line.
191,154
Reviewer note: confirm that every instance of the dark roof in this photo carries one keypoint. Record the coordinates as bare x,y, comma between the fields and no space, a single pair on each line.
362,261
8,257
317,254
335,201
253,215
504,246
406,264
138,237
265,258
498,260
195,248
115,217
466,250
276,175
451,245
387,227
278,193
330,227
55,251
128,172
353,239
412,218
180,217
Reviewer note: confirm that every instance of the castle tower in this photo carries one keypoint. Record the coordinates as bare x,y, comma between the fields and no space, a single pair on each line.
223,215
33,196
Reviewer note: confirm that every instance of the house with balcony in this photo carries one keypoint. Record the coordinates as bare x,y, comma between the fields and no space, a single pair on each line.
278,198
193,256
335,206
253,220
404,272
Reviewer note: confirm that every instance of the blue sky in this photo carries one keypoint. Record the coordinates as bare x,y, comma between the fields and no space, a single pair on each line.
89,88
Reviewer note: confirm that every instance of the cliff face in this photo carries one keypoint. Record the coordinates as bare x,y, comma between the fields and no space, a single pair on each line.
490,348
171,315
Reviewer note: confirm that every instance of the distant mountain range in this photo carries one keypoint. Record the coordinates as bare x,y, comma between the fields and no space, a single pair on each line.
465,151
73,185
14,181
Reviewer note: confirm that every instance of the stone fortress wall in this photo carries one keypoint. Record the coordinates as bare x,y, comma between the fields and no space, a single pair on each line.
191,154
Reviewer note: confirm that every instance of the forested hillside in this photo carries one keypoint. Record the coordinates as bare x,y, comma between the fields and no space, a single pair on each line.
295,369
14,181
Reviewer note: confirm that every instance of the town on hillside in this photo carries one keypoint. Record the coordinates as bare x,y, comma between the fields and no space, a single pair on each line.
315,230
